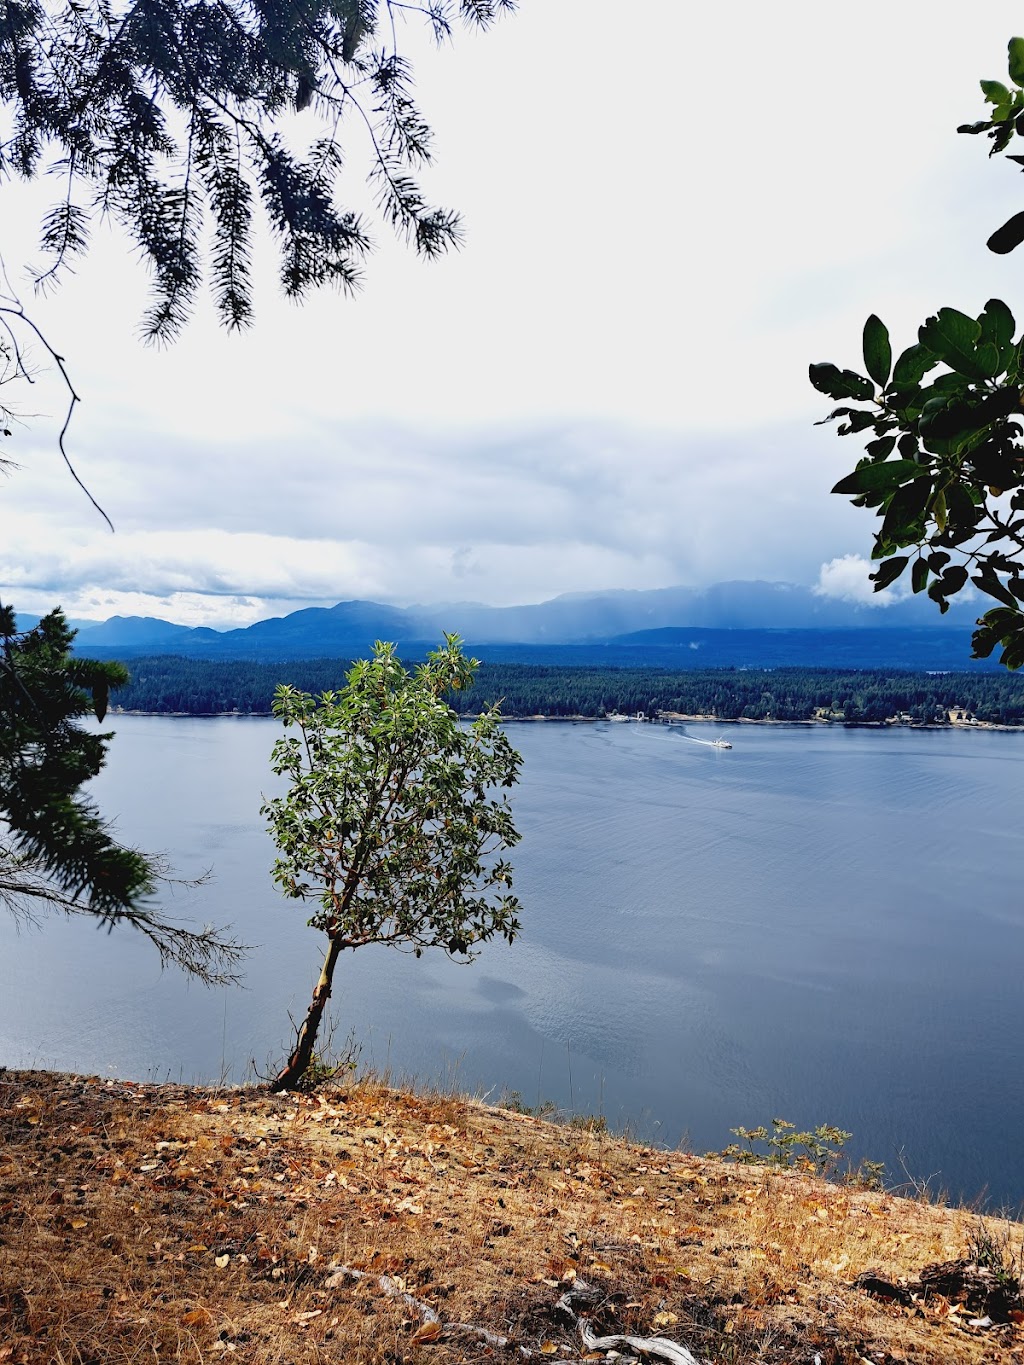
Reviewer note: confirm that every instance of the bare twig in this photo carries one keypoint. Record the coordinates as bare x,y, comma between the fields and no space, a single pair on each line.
207,954
11,308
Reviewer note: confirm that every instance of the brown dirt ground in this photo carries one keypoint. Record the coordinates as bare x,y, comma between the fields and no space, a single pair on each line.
149,1222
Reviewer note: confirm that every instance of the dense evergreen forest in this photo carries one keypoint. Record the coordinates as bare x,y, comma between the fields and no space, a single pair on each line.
169,684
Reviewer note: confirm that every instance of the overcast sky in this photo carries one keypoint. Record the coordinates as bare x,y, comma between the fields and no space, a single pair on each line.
670,211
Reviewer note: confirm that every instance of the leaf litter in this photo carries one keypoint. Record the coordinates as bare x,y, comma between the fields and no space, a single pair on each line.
384,1227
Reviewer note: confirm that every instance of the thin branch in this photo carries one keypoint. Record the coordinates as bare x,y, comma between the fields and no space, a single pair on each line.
207,953
12,307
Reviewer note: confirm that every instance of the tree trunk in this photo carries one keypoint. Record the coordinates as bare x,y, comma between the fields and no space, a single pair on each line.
302,1054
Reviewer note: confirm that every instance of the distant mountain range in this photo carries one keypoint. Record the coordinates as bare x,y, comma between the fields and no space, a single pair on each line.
739,623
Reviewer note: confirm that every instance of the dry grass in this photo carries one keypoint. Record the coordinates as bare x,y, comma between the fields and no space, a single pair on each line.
146,1222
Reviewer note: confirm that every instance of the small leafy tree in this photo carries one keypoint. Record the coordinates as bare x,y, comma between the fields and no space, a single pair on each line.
55,850
944,469
391,823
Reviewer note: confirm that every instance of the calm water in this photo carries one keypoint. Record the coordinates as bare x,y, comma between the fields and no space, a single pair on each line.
824,925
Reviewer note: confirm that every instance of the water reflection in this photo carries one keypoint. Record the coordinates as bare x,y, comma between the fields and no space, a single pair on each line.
823,925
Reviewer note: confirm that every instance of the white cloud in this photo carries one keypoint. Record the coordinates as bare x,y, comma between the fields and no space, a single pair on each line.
847,579
607,387
408,516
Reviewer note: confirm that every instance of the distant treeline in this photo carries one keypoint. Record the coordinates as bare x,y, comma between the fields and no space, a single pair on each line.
200,687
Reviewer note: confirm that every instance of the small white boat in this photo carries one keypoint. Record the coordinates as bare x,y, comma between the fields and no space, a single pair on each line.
711,743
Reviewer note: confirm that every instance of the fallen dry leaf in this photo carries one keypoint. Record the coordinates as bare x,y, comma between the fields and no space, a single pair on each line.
494,1198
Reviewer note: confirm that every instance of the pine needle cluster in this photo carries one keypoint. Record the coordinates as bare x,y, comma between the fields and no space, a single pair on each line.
56,852
176,118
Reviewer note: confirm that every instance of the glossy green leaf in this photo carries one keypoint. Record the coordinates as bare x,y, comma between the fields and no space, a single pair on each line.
990,584
954,337
1001,134
919,575
837,383
954,579
1015,65
836,412
995,92
889,571
858,420
1003,626
912,366
963,504
882,448
908,445
935,592
995,465
997,326
943,418
1008,237
871,478
877,350
906,507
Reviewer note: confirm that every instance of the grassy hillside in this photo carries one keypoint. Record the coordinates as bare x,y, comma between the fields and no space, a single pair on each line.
369,1225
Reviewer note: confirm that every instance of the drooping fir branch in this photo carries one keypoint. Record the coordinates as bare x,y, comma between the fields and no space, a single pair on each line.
55,849
177,114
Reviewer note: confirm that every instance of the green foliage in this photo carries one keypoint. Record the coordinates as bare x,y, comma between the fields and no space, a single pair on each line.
589,1123
203,687
513,1100
877,351
390,824
548,1109
55,850
945,470
818,1151
45,758
993,1250
331,1066
176,117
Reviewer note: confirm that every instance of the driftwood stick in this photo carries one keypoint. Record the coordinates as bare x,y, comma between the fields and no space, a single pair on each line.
428,1314
648,1346
424,1309
345,1272
581,1291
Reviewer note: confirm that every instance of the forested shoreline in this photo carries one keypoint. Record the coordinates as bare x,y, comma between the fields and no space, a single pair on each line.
172,685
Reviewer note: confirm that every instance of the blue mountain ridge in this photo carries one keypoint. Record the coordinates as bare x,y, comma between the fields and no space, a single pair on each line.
739,623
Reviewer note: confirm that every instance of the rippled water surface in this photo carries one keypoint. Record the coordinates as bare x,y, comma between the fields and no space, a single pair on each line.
824,925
